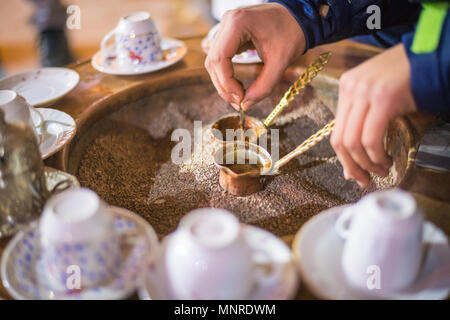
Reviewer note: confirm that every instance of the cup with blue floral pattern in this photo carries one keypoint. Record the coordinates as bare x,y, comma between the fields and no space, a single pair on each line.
78,238
137,41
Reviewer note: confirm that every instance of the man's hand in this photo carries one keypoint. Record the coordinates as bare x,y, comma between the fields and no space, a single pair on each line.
272,31
371,95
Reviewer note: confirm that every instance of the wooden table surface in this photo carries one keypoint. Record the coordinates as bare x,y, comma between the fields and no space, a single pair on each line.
431,188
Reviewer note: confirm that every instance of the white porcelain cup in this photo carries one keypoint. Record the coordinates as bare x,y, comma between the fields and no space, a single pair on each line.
17,109
383,247
137,41
207,257
77,231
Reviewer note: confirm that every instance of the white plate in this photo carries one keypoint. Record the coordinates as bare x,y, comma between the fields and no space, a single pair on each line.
246,57
24,276
318,249
42,87
56,131
174,51
268,251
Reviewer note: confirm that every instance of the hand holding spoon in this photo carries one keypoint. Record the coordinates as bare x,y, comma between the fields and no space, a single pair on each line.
260,127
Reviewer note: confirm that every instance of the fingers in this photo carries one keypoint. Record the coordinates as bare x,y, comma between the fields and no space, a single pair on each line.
220,90
245,47
265,27
363,114
351,168
375,127
225,77
230,37
270,75
354,128
343,109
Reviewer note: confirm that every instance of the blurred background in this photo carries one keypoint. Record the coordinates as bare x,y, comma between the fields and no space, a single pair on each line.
29,35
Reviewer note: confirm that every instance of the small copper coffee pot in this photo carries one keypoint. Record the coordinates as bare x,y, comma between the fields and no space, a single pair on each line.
243,183
239,152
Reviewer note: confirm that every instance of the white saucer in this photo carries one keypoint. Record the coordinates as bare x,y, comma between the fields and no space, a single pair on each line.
317,250
174,51
42,87
56,131
24,276
268,252
246,57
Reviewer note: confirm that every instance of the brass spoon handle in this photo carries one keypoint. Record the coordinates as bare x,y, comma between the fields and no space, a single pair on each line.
242,122
241,116
306,145
311,72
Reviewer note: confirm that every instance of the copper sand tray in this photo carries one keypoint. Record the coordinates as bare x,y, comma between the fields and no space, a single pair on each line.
123,152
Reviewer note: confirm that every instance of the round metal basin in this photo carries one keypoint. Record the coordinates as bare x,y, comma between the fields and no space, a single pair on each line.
123,151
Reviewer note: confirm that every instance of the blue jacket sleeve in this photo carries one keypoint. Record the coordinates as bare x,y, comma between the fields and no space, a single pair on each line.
346,18
430,73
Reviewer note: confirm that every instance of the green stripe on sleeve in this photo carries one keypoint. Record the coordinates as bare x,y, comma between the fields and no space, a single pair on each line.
429,27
